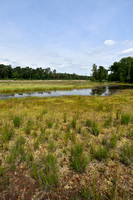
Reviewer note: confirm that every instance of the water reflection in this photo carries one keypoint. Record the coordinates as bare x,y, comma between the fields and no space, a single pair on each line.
102,91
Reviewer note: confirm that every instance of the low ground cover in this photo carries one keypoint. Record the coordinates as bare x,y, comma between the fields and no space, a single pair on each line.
67,147
12,86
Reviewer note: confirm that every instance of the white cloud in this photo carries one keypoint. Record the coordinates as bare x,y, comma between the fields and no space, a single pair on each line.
126,51
109,42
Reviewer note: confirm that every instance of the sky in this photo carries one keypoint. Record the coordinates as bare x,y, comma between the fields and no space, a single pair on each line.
66,35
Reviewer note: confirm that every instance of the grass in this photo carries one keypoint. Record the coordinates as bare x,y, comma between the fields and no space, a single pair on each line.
73,123
108,121
45,171
90,193
88,123
17,153
7,133
78,160
28,126
95,128
60,144
17,121
126,154
125,118
100,153
25,85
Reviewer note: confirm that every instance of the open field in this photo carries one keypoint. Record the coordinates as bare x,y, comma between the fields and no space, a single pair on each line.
10,86
67,147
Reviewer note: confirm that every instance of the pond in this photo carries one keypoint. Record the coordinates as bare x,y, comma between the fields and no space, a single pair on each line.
102,91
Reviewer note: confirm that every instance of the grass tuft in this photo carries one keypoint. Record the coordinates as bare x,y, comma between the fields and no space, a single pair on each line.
126,154
95,129
125,118
73,123
17,121
46,171
78,160
100,153
7,133
88,123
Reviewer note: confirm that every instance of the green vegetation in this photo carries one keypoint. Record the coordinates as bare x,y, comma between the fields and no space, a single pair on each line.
125,118
12,86
7,72
45,171
100,74
99,153
126,155
17,121
67,147
78,159
95,128
7,133
122,71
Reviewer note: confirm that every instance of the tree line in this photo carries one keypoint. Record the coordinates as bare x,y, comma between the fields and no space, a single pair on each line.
7,72
121,71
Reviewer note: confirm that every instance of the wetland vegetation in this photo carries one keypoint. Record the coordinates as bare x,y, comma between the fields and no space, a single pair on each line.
71,147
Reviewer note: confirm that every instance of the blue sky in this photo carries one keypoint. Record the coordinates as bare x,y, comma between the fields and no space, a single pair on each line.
66,35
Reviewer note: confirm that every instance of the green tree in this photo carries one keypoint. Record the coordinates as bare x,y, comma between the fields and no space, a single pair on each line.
102,73
94,72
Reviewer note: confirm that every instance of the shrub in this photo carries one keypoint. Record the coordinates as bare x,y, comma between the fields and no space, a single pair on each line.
78,160
125,118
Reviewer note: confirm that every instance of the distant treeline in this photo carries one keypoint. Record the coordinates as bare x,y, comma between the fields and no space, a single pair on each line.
121,71
8,72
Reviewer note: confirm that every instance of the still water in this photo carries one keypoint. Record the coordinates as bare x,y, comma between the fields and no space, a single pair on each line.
102,91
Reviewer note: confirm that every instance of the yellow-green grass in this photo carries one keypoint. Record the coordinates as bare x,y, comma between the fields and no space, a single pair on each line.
50,144
10,86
